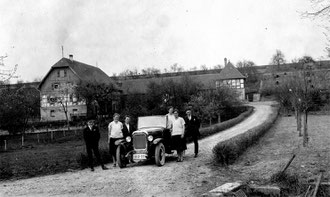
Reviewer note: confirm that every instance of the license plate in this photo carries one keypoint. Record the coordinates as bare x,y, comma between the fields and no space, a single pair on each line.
139,156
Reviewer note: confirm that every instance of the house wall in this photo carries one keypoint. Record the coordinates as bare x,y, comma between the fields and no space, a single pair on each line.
59,86
241,93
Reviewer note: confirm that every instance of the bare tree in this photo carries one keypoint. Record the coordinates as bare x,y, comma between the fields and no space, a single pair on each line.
320,12
150,71
65,91
218,66
248,69
129,72
213,103
176,68
299,91
96,95
277,59
6,74
204,67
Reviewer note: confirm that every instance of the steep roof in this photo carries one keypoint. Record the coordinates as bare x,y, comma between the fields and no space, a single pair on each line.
84,72
230,72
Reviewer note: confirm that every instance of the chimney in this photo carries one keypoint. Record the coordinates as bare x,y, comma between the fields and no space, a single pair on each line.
71,58
225,61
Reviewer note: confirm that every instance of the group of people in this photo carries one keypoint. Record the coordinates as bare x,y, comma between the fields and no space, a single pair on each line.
180,129
116,131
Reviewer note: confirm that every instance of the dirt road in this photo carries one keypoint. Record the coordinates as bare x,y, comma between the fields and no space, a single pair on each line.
187,178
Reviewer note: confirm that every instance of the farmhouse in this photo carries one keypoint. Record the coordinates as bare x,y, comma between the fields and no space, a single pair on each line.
209,79
57,89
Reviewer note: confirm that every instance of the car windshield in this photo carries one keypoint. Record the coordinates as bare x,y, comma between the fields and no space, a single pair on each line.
151,121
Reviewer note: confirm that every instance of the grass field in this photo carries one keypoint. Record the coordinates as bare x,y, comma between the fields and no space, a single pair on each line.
49,158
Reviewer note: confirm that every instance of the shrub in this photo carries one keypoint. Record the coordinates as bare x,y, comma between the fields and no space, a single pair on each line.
226,152
6,171
225,125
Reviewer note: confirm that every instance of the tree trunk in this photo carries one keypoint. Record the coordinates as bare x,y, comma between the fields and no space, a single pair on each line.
210,119
299,122
219,118
305,134
65,109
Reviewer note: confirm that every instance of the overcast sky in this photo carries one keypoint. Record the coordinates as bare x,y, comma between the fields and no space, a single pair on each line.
119,35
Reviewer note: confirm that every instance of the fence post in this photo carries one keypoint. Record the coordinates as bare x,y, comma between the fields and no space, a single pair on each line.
64,132
5,145
52,135
75,131
22,140
38,137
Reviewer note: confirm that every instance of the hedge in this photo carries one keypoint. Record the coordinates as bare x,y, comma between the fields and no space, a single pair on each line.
226,152
207,131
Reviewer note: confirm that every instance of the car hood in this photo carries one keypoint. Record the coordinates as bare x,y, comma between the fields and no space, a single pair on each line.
150,130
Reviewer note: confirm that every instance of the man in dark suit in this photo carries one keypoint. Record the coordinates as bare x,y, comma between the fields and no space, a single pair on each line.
128,128
192,128
92,137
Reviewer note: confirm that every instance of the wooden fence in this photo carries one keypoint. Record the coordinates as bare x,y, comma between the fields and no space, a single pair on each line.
13,142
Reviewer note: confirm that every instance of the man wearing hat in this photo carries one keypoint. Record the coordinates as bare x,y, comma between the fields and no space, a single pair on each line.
192,128
92,137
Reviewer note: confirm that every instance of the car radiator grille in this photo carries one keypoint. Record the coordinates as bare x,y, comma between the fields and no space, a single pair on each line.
140,141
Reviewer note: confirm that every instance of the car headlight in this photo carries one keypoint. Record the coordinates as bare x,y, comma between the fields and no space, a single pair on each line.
150,138
128,139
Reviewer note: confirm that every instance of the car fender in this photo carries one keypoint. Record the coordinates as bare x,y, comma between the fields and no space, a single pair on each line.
117,142
156,141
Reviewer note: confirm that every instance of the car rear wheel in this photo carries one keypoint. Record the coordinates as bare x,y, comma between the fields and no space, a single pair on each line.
160,154
120,156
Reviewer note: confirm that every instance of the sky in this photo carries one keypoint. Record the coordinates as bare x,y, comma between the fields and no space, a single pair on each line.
125,34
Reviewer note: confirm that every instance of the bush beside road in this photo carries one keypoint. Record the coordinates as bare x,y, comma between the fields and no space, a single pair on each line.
226,152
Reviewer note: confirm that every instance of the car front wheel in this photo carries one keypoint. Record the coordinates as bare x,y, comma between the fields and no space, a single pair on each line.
120,156
160,154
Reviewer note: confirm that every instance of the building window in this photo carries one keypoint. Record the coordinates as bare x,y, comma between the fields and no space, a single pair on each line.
52,113
56,86
64,73
58,73
234,83
75,111
217,84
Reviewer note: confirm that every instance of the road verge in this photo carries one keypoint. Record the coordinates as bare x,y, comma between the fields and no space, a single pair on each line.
226,152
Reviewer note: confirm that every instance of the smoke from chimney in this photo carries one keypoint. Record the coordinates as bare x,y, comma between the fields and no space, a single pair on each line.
225,61
71,58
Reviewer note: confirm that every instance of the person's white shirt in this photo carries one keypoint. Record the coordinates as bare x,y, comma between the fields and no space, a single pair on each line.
178,126
115,130
170,118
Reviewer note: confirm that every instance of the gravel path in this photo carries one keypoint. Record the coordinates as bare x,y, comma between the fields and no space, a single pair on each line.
173,179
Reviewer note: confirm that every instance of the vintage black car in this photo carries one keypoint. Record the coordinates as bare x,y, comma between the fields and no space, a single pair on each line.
151,140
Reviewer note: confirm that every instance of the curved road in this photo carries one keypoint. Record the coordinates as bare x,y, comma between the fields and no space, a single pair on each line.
172,179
